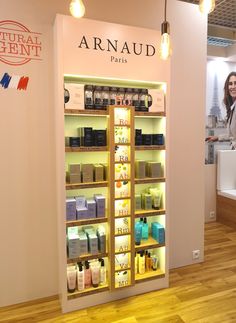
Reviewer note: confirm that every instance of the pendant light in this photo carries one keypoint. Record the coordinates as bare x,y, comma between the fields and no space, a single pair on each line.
77,8
165,49
206,6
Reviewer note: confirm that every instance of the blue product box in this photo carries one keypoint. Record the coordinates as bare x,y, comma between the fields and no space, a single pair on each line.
70,209
158,232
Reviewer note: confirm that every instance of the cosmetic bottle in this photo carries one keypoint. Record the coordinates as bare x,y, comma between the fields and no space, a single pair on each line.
145,229
143,100
128,97
88,89
135,99
98,97
87,275
120,96
146,260
138,233
71,279
95,269
105,97
103,273
149,261
113,93
141,221
136,263
141,264
154,262
80,277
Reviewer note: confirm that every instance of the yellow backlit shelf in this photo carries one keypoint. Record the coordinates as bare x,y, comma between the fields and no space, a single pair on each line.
120,252
150,243
122,269
150,147
122,216
87,257
122,198
88,291
85,222
85,149
86,112
146,213
149,275
122,144
147,180
122,125
86,185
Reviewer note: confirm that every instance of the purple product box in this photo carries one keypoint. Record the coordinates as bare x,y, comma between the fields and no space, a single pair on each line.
91,206
100,205
70,209
82,213
80,202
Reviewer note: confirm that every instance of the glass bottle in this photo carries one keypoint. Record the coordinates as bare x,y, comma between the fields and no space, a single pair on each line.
128,97
113,92
105,97
135,99
98,97
88,96
120,96
143,100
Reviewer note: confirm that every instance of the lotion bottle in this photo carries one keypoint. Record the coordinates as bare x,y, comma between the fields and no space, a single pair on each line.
141,264
80,277
138,233
103,273
87,275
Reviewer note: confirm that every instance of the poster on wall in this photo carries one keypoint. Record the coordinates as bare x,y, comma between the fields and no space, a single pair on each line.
220,101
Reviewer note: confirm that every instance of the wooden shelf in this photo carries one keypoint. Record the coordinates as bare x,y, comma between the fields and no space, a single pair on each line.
87,291
122,162
86,112
87,257
122,216
149,275
122,144
122,269
150,243
122,198
149,114
150,147
146,213
86,185
85,149
149,180
120,252
122,125
122,234
85,222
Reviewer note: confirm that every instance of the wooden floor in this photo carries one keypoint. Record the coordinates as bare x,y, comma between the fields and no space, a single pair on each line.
203,293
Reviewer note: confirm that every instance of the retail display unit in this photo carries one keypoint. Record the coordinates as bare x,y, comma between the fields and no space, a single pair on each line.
111,165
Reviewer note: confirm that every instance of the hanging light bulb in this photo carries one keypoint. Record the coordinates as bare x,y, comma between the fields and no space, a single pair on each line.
165,49
206,6
77,8
165,40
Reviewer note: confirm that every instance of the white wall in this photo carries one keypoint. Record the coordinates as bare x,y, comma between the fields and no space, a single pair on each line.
28,217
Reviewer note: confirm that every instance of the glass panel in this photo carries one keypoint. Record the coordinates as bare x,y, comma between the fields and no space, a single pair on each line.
122,207
122,261
122,135
122,225
122,243
122,171
122,278
122,116
122,189
121,153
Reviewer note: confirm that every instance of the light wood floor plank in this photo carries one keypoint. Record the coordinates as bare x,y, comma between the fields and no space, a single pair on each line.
202,293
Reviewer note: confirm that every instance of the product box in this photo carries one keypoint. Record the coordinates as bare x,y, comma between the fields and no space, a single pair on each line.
100,137
138,205
73,243
75,99
74,142
153,169
146,201
86,136
70,209
101,240
140,168
73,178
91,206
82,213
74,168
80,202
146,139
138,137
92,243
158,100
105,172
87,173
98,172
158,232
100,205
158,139
83,243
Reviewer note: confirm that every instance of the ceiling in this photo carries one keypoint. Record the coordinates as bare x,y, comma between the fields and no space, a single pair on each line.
221,23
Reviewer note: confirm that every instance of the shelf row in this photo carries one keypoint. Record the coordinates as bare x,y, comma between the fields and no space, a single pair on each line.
138,214
106,113
105,148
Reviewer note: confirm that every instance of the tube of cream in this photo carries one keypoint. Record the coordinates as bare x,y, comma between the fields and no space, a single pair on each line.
95,269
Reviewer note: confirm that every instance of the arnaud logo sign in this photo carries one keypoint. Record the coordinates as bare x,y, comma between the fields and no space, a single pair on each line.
120,50
18,45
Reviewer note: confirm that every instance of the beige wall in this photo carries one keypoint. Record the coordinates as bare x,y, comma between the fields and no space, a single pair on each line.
28,217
